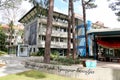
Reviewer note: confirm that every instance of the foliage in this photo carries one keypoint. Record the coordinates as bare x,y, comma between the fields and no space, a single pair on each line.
10,10
11,32
9,3
2,40
68,61
21,32
40,52
54,54
2,53
43,3
115,6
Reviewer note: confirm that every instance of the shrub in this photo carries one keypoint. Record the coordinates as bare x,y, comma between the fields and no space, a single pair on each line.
41,52
54,55
2,53
68,61
33,54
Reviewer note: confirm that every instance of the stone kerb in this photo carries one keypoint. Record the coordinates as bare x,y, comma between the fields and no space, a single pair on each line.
76,71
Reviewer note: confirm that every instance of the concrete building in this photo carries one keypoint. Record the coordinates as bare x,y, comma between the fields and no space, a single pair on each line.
35,22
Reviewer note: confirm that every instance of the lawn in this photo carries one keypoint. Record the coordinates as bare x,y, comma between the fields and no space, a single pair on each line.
2,53
34,75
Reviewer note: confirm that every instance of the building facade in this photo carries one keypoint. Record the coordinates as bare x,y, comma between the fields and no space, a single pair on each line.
35,22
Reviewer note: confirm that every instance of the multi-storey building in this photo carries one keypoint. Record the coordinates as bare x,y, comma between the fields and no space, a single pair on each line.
35,22
16,36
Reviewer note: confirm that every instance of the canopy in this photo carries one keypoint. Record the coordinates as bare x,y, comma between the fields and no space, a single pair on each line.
109,43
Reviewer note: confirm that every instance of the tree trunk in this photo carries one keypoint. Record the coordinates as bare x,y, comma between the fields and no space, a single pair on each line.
11,24
48,32
85,27
69,30
73,31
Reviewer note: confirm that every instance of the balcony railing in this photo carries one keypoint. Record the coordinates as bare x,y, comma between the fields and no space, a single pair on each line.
54,33
56,23
54,44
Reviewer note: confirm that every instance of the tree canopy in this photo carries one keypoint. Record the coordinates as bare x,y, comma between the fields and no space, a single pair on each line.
2,39
10,10
115,6
9,3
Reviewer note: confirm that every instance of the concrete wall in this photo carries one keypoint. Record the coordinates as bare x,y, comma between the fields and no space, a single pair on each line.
77,71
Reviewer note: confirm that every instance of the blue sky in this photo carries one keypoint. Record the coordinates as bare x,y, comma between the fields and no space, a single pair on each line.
62,6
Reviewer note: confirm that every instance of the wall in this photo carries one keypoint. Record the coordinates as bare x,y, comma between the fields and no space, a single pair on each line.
77,71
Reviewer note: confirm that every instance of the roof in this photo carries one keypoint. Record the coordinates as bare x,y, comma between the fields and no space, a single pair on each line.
34,11
105,32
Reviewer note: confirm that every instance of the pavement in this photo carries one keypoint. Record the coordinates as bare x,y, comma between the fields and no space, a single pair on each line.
12,65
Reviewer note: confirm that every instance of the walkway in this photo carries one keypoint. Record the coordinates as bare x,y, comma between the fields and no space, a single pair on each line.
13,65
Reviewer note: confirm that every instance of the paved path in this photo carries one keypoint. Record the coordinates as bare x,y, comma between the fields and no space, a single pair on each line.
14,64
113,65
11,69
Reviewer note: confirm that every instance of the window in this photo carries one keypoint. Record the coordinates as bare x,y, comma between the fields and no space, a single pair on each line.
43,38
33,49
61,40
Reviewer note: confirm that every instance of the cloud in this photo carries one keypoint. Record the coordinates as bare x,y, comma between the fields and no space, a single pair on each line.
104,14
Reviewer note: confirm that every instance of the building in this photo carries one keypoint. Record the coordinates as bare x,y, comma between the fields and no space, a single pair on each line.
107,42
35,22
16,36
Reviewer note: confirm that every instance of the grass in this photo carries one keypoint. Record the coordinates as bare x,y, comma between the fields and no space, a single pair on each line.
2,53
34,75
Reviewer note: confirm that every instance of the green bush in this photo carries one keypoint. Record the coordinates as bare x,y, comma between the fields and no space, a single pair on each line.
68,61
39,53
33,54
2,53
54,55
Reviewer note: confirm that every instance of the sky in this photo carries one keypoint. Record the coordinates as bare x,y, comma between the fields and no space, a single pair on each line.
102,13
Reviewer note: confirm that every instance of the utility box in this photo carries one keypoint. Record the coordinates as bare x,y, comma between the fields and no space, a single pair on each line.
22,50
91,63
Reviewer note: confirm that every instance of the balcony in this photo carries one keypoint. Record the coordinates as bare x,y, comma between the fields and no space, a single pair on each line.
54,33
56,23
53,44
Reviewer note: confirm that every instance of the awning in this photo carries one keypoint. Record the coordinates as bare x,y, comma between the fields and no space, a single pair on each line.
109,44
